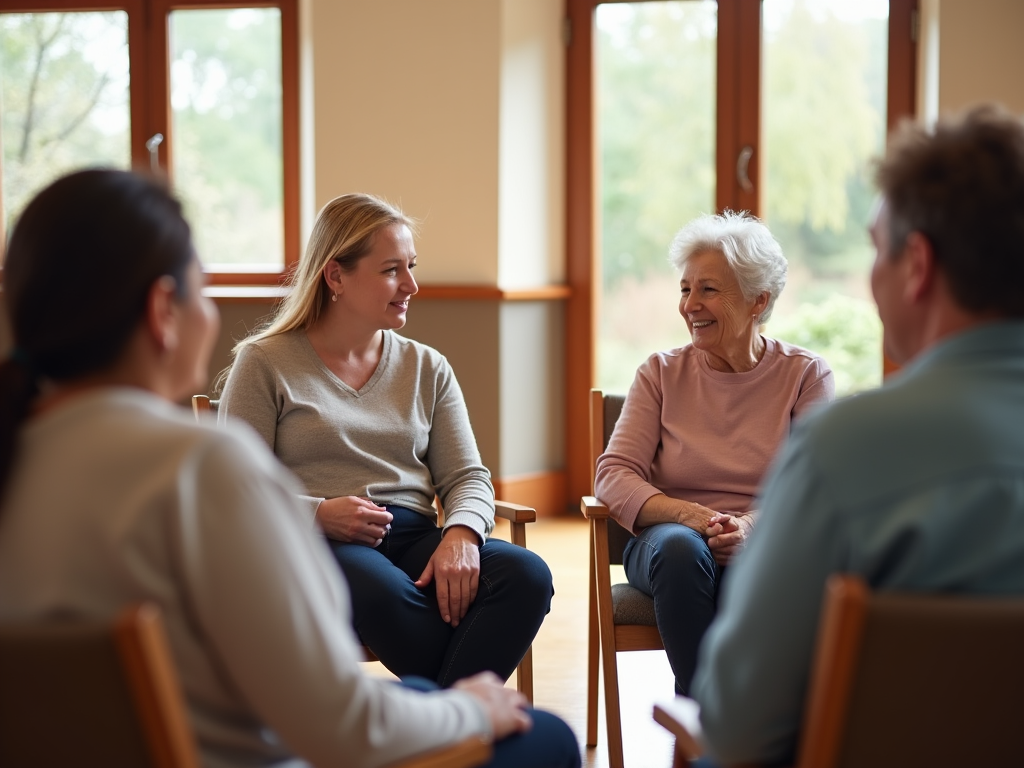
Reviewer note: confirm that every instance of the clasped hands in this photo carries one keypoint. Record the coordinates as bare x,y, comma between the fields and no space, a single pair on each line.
454,566
726,535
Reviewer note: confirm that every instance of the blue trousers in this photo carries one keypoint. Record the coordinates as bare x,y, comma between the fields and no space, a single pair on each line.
548,744
672,564
402,624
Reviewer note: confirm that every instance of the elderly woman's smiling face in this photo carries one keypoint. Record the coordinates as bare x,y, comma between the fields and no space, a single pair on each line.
722,323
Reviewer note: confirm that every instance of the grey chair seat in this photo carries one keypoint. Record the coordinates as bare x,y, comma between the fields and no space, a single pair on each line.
631,606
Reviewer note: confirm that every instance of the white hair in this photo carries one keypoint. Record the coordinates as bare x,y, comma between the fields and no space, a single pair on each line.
751,251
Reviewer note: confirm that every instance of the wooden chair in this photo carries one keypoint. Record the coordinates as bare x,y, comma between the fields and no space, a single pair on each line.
91,693
621,616
517,515
908,680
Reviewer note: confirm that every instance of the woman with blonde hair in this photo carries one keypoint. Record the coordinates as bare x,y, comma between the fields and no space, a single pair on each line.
375,425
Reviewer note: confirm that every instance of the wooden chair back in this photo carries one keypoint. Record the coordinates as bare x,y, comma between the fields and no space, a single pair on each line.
915,680
76,693
604,413
902,680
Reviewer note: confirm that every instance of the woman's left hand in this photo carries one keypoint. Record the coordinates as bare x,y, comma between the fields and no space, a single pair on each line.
727,534
455,567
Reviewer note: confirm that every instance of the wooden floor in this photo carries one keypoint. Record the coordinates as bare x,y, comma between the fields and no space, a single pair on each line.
560,656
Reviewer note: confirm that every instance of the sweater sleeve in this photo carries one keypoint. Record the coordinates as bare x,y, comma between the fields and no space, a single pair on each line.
252,394
463,483
623,478
819,387
276,614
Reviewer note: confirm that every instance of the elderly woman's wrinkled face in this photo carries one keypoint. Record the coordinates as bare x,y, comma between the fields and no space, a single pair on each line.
721,321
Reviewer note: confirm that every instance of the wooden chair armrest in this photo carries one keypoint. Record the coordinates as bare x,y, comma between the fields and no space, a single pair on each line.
592,508
468,753
681,716
515,513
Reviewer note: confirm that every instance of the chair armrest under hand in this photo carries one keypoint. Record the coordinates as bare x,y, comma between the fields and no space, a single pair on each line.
471,752
515,513
592,508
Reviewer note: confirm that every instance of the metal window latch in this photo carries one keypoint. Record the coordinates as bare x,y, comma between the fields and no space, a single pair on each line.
153,146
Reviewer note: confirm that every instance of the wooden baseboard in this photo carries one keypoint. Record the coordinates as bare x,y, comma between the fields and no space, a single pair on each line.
544,491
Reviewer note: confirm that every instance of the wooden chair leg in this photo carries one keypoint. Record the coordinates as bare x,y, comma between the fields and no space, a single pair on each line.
524,675
524,672
593,652
609,666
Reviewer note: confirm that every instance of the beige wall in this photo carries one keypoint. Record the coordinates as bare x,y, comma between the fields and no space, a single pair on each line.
406,106
980,53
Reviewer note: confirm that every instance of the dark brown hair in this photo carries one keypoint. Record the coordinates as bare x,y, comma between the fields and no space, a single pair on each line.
961,185
79,267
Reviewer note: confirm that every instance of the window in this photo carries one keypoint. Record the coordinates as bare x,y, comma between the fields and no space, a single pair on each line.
678,107
206,91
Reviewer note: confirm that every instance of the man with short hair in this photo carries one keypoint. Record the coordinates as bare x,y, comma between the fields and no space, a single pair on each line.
918,485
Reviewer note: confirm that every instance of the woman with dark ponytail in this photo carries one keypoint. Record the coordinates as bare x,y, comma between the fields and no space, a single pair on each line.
110,493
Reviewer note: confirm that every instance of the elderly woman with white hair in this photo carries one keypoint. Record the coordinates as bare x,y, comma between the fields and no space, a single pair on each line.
701,424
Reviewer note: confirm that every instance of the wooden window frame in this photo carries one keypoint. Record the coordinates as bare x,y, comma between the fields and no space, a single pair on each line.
738,108
150,106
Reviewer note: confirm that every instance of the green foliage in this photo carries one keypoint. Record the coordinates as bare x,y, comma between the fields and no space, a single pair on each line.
65,105
63,98
843,330
657,128
226,98
820,122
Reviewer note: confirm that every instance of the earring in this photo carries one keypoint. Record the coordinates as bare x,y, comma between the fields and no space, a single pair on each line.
334,297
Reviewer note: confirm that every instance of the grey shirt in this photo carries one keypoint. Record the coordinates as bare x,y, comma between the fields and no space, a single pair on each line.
917,486
118,496
400,439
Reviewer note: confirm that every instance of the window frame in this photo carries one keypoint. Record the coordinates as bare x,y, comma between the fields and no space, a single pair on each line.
738,124
150,106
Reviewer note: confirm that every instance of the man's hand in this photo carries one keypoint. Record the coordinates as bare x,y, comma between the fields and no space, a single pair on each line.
354,520
504,706
455,567
727,534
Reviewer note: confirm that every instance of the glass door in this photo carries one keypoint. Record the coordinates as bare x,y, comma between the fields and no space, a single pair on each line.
655,89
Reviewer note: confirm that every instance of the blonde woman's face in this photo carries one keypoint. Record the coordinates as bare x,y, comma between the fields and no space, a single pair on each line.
378,290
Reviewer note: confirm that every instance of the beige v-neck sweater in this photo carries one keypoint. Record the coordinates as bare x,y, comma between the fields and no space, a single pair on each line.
401,438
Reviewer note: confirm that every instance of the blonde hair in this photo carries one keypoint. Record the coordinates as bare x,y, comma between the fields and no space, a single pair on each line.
344,232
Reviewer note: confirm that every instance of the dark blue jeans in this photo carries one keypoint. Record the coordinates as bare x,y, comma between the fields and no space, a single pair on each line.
402,624
548,744
672,564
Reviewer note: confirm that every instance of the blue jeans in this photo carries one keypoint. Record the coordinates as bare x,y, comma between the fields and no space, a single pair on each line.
672,564
550,743
402,625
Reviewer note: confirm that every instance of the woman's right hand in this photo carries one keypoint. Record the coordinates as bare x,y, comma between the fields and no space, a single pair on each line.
354,520
505,707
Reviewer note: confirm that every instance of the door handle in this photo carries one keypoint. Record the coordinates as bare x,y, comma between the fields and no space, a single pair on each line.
153,146
742,164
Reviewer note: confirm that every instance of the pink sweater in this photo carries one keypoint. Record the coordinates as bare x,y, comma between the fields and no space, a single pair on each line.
705,436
